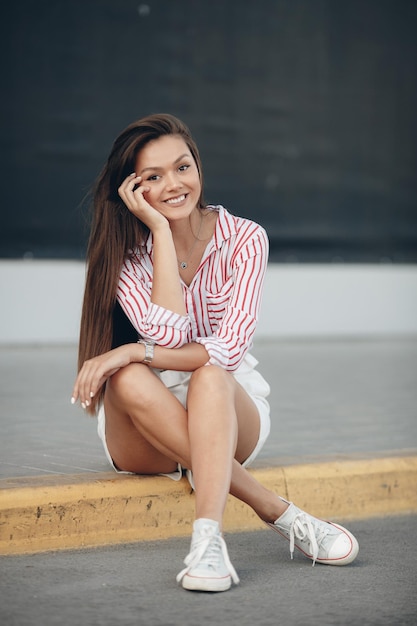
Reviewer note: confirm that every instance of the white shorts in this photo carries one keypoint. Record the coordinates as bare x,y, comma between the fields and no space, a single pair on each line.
177,382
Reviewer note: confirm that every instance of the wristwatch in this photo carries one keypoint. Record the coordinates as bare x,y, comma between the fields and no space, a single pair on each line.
149,351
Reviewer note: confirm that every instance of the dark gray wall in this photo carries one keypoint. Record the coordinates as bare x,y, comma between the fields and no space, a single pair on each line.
304,111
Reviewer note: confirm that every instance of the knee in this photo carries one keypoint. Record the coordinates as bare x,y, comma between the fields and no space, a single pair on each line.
130,384
212,378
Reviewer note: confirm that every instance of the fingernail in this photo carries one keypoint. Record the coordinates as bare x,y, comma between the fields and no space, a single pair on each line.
72,400
87,403
132,174
83,405
91,394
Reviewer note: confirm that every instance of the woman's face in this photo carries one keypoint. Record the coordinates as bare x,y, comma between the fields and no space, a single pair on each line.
168,168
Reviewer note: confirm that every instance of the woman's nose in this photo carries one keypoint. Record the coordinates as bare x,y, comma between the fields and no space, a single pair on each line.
172,180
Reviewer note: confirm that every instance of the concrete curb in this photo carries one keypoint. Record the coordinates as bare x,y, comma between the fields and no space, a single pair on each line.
62,512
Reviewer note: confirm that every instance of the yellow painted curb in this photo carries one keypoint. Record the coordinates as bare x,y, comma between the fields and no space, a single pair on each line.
61,512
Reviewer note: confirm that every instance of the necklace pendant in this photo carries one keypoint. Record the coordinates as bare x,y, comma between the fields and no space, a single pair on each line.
183,265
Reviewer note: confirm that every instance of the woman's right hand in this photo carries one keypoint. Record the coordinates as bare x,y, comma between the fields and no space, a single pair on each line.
131,192
97,370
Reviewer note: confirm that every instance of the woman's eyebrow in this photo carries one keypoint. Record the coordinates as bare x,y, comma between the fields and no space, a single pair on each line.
157,167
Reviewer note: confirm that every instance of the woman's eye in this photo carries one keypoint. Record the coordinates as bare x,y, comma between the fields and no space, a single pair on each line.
183,168
153,177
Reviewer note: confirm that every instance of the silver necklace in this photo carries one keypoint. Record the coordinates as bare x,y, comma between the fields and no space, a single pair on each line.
184,264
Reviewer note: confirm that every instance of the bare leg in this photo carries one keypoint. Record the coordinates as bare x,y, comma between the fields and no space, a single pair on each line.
149,431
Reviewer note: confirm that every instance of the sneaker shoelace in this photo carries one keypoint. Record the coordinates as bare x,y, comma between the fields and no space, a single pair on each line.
207,550
304,527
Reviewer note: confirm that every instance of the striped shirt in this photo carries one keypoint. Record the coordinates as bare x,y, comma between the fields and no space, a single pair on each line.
222,300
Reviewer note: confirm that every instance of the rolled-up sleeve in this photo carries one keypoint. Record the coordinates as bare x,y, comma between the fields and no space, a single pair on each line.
153,322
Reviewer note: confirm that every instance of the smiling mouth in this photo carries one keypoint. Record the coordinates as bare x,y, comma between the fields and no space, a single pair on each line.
176,200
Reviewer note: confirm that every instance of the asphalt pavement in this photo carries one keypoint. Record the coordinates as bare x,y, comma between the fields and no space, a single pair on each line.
135,584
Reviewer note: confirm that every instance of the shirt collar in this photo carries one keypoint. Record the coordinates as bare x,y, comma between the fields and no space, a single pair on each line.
225,226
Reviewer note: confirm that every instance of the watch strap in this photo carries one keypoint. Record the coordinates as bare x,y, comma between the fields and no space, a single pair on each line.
149,351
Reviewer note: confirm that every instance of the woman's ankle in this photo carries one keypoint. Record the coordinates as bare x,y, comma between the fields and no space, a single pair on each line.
273,508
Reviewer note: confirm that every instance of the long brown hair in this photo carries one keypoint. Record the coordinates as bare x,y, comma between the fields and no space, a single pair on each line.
115,231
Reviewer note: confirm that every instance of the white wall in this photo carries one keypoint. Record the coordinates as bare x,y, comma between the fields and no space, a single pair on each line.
41,301
338,300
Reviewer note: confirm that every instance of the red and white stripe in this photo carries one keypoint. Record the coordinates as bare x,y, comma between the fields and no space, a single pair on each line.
222,301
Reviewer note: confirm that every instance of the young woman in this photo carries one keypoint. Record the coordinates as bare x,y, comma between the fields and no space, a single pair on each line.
172,296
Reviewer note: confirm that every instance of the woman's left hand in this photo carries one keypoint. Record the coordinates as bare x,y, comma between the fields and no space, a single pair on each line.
97,370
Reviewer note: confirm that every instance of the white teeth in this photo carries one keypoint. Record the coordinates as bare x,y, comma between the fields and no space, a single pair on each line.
176,200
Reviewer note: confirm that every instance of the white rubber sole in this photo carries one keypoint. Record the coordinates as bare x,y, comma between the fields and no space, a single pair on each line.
195,583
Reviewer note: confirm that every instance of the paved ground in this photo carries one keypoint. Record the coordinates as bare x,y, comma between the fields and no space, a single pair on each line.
329,399
135,584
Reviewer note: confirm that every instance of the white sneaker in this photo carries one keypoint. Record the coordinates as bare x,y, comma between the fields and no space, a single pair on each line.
323,542
208,564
